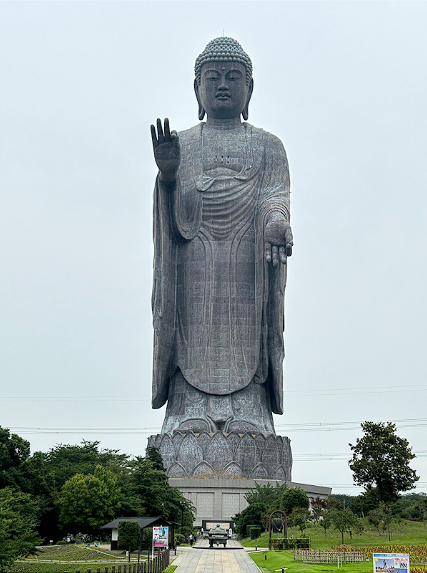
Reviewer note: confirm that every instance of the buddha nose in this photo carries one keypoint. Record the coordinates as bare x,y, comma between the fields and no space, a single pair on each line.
223,85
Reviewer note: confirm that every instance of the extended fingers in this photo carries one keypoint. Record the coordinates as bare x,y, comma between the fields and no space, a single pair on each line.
268,252
275,255
154,136
289,241
160,134
167,130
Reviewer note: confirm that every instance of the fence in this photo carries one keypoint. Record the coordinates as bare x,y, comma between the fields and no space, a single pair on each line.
313,556
157,565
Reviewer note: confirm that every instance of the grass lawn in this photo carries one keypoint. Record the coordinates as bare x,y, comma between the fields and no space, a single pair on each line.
55,567
74,553
278,559
72,558
403,533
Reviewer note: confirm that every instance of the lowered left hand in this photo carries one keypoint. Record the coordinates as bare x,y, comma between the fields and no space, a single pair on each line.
278,239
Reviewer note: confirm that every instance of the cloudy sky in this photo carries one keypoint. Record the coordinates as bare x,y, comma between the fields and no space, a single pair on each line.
342,84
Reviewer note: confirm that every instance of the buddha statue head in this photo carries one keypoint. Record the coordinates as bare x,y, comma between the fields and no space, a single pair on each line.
223,82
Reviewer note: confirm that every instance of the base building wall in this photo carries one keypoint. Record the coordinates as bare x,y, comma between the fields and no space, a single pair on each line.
222,499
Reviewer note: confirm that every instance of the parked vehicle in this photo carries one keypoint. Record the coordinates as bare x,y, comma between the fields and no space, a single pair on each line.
218,535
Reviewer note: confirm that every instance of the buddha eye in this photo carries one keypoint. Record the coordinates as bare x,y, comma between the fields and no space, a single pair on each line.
233,76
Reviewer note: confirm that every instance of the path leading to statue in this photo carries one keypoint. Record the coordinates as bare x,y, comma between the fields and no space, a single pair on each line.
202,559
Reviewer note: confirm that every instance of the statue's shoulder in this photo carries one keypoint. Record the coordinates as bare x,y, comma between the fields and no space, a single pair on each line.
270,140
190,136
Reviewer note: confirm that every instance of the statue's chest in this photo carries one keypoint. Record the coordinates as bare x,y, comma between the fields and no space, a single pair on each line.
222,152
211,154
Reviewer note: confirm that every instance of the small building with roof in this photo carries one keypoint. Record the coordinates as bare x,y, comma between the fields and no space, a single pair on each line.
143,523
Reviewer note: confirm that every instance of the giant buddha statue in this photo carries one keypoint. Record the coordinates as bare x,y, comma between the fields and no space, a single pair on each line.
222,239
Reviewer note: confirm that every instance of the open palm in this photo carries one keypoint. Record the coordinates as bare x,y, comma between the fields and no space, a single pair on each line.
167,152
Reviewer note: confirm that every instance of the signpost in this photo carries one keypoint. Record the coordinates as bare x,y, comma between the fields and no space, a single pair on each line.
160,537
391,563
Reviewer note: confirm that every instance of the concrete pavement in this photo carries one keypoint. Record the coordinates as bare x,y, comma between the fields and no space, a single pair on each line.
202,559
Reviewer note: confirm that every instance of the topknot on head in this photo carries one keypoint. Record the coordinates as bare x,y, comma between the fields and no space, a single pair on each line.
223,49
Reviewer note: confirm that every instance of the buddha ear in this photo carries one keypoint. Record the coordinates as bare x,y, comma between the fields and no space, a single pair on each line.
201,109
245,111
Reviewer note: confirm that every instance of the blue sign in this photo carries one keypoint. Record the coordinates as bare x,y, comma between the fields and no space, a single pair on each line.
391,563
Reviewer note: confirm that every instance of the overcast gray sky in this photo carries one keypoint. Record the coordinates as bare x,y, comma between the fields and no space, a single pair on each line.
342,84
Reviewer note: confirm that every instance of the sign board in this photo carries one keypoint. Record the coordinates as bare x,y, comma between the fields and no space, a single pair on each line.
161,537
391,563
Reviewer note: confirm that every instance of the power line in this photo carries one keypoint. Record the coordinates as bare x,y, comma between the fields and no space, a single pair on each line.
78,398
339,426
291,428
308,392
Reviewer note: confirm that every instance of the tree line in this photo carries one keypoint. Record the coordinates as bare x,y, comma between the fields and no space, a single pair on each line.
74,489
380,463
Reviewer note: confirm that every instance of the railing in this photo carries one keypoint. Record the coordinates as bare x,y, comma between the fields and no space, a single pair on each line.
156,565
313,556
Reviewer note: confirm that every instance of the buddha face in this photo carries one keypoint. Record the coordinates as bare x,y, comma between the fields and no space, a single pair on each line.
223,92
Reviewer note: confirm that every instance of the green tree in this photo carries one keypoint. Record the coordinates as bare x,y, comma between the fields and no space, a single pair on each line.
40,484
409,505
266,495
18,537
157,497
65,460
155,457
261,500
293,498
47,473
375,518
326,520
251,515
383,517
264,499
87,502
422,507
299,517
344,520
362,504
129,535
14,451
333,502
345,499
381,459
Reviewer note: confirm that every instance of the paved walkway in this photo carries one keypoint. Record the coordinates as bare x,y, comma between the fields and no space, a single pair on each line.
202,559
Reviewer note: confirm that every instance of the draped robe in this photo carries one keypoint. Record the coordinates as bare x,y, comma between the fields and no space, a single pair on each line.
218,306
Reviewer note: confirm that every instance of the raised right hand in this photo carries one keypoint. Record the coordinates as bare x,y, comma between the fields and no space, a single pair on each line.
167,152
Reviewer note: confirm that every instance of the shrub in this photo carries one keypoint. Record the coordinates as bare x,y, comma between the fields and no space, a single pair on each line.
255,528
147,539
283,543
129,535
253,531
179,538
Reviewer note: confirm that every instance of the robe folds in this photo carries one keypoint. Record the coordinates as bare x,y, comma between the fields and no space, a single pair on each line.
218,306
